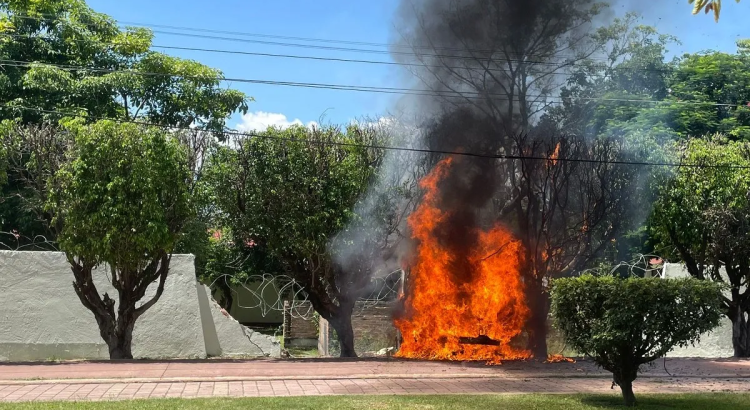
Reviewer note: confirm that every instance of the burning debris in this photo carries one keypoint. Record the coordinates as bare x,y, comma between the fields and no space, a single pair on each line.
479,340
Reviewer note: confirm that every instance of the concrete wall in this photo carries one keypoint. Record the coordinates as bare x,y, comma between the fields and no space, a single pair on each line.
42,318
227,337
714,344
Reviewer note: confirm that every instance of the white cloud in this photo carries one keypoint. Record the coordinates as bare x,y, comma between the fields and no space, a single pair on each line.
260,121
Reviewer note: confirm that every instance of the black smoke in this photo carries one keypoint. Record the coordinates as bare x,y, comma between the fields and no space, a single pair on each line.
476,58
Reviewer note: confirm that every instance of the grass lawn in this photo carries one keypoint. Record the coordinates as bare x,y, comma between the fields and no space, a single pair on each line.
480,402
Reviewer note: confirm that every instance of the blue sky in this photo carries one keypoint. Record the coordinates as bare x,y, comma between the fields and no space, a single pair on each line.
351,20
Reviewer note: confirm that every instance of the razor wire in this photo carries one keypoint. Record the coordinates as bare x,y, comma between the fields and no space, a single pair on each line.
14,241
384,289
641,265
267,293
268,284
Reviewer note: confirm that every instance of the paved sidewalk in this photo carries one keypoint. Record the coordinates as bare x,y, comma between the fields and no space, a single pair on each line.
254,378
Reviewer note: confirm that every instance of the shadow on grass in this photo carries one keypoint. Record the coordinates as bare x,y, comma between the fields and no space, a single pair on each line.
671,401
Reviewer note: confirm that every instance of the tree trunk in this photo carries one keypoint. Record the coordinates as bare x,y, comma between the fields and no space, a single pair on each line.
342,324
117,329
627,394
740,333
120,348
624,377
119,338
537,325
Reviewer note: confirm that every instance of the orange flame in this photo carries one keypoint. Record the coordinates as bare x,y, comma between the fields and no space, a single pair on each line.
558,358
438,311
555,155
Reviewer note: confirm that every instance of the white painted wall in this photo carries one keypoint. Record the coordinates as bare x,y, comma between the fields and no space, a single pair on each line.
228,338
713,344
42,318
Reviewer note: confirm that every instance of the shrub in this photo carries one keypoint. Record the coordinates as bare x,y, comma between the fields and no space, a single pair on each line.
625,323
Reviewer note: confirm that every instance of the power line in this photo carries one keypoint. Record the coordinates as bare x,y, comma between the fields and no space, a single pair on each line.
343,60
370,89
391,63
386,147
125,24
559,64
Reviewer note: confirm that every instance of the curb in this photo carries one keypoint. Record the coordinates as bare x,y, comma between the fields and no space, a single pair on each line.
352,377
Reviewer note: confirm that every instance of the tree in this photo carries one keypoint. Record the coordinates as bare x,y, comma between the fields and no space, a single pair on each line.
702,218
290,194
608,90
626,323
65,60
708,5
491,68
122,202
715,85
614,95
66,57
565,213
34,154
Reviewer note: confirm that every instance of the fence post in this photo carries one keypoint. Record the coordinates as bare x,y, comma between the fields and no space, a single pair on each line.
323,337
401,295
287,322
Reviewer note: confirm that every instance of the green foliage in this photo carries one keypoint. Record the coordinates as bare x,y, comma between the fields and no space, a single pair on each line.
65,57
629,65
6,143
711,78
704,208
625,323
84,64
33,154
123,199
291,192
613,319
702,218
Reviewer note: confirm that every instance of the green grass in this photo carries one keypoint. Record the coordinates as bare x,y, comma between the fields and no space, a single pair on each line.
715,401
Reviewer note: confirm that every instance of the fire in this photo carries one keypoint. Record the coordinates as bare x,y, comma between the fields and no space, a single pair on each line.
440,314
558,358
555,155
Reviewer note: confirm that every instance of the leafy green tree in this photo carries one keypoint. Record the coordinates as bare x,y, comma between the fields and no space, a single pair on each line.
626,323
716,87
600,92
73,59
702,218
62,59
289,196
123,202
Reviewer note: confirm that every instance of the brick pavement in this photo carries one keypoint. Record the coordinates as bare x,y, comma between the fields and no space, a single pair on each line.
261,378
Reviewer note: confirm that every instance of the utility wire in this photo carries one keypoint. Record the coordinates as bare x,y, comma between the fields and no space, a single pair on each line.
384,147
391,63
124,25
371,89
560,64
349,60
